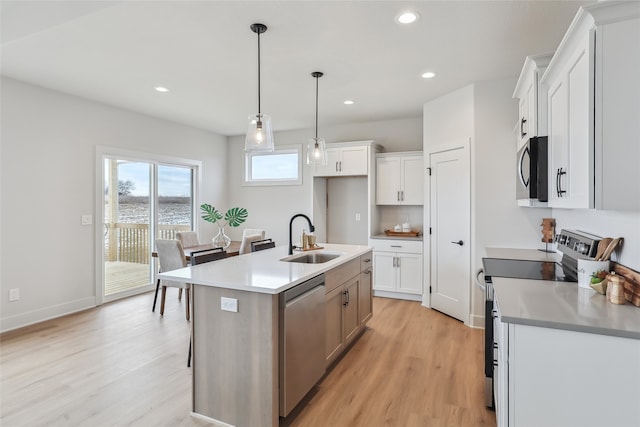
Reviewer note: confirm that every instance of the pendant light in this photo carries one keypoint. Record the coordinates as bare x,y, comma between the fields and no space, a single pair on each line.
259,133
316,147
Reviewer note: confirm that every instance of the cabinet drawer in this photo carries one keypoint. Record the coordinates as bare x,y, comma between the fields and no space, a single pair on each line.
366,261
402,246
337,276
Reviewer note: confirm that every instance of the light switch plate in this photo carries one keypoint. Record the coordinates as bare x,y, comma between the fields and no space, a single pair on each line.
87,220
229,304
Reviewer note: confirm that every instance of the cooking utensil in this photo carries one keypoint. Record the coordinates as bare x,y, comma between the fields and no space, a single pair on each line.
602,246
612,246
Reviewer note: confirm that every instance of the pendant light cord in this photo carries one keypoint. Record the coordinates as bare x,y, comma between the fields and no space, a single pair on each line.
317,108
258,75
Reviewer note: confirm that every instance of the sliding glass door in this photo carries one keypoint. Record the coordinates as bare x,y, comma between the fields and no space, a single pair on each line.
141,200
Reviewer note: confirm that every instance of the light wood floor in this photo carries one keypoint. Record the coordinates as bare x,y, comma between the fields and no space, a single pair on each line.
120,364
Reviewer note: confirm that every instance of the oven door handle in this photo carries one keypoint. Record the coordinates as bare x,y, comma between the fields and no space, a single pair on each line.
480,283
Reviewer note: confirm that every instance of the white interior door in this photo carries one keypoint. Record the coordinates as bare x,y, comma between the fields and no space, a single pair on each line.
450,221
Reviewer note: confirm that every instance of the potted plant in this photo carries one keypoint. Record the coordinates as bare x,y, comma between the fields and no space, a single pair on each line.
233,217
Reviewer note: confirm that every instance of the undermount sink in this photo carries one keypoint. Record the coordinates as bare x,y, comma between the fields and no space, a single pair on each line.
312,258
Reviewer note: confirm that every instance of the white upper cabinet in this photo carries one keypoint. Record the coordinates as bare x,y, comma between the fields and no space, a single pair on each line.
532,105
345,161
617,115
593,96
399,179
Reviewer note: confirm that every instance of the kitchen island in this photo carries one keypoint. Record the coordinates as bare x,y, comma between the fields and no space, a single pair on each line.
236,325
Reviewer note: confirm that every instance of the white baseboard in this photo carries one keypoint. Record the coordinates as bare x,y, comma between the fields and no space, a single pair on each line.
397,295
40,315
476,321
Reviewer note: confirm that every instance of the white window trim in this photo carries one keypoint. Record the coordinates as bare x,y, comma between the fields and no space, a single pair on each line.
283,149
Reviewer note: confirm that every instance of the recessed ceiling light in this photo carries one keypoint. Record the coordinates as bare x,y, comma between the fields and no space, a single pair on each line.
407,17
161,89
349,102
428,75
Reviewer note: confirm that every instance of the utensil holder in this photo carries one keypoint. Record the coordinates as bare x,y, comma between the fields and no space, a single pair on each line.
586,268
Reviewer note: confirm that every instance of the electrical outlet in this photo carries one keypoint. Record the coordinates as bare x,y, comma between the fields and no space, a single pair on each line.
357,217
14,294
229,304
86,220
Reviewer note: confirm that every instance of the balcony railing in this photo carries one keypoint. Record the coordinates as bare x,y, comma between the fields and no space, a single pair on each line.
130,242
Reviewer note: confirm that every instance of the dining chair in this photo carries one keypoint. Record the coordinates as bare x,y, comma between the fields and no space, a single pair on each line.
245,245
188,238
260,245
200,257
207,255
171,257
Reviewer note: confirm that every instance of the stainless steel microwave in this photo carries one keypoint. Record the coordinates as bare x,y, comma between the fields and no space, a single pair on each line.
532,179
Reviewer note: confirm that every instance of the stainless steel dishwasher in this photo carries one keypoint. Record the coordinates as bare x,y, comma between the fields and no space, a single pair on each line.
302,341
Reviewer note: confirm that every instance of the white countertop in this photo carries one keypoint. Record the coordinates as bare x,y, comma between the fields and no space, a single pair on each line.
263,271
562,305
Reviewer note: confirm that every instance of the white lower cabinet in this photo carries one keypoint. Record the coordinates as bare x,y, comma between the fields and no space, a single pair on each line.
555,377
397,266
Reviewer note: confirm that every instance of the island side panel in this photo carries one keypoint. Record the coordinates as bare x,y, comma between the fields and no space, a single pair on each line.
235,357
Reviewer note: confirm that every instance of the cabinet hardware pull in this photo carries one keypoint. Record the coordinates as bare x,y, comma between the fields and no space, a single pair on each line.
336,166
367,260
398,262
396,246
348,297
522,132
398,196
402,195
559,189
340,165
459,242
367,272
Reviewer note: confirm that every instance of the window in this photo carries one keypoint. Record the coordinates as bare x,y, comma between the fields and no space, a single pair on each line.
140,197
280,167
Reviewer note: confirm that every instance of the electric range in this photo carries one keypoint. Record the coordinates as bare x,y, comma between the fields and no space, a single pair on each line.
573,244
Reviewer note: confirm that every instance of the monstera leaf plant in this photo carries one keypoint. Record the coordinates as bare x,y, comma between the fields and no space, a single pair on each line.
234,216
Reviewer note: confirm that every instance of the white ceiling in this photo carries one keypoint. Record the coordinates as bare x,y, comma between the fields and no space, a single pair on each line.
116,52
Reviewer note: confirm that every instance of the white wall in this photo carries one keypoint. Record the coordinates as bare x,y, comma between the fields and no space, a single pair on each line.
486,112
606,224
48,182
272,207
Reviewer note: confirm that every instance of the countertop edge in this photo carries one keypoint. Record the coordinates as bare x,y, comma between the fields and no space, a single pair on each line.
180,275
620,333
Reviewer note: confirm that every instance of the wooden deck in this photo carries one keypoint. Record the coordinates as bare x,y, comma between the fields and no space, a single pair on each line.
123,276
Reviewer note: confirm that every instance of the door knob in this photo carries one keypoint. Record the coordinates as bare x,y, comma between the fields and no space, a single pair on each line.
459,242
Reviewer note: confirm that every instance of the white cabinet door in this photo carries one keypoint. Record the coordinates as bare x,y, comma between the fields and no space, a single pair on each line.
388,180
570,104
409,273
384,271
354,161
399,180
331,168
412,185
559,148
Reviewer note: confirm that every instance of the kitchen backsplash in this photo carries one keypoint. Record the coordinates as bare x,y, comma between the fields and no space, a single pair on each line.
606,224
392,215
